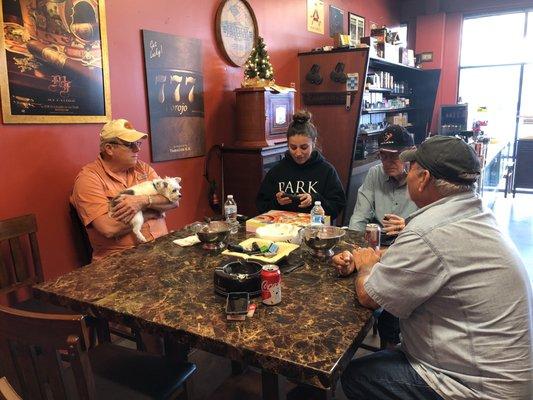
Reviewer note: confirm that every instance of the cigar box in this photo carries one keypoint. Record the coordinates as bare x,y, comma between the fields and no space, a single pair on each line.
278,216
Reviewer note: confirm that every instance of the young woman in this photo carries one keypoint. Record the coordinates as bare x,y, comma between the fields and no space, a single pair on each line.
303,176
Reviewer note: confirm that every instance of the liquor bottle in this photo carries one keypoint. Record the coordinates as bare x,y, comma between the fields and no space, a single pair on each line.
230,212
318,215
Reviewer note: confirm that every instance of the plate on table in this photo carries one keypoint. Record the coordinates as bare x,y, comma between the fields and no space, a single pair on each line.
278,232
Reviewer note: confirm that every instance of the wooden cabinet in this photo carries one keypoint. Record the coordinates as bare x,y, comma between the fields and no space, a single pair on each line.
244,170
263,116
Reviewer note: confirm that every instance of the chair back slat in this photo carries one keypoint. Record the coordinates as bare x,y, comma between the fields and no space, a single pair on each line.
50,362
7,365
5,276
20,263
36,257
18,226
29,346
20,259
24,357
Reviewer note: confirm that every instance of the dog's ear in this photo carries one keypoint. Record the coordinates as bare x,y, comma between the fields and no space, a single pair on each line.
178,179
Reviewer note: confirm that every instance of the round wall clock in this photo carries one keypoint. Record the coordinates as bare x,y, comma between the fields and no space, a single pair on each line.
236,30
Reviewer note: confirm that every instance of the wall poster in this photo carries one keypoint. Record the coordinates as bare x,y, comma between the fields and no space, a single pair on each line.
175,95
53,62
336,19
315,16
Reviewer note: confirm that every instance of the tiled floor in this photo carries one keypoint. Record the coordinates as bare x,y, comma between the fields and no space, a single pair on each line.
515,216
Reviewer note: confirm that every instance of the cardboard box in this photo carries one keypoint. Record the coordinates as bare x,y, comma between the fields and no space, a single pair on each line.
277,216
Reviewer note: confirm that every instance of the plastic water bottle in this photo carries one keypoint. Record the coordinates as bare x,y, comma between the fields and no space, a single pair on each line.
230,212
318,215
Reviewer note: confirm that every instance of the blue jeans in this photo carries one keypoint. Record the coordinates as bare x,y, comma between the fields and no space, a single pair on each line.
384,375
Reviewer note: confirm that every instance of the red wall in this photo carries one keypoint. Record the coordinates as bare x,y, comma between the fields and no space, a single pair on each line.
38,163
441,34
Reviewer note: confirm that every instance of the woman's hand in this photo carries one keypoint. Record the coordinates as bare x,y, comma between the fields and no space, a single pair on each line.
393,224
282,199
343,262
305,200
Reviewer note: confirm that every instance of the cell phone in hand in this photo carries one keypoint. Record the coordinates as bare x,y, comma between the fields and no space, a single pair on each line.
294,197
237,303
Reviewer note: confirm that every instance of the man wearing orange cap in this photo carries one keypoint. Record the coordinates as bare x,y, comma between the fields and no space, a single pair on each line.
116,169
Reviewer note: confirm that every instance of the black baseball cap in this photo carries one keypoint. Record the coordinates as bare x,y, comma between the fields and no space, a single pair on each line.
395,138
446,157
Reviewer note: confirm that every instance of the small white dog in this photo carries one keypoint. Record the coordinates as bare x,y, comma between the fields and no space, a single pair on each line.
168,187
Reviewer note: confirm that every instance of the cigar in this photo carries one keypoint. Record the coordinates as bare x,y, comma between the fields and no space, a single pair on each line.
58,60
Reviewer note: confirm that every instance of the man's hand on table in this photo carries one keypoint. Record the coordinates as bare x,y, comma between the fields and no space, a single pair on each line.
360,258
365,258
343,262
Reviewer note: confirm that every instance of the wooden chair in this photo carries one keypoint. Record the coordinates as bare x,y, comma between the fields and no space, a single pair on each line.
20,264
45,356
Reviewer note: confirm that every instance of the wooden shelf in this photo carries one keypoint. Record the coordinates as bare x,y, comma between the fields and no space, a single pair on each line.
387,110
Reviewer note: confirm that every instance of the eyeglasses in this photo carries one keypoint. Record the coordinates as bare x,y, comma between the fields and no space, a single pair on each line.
129,145
388,156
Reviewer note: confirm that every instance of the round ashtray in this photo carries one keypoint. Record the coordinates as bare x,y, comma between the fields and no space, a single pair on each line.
238,276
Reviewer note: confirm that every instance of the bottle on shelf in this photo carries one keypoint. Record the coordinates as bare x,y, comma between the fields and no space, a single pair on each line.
318,215
230,212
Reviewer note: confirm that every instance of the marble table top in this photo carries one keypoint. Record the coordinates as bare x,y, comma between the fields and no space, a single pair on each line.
165,288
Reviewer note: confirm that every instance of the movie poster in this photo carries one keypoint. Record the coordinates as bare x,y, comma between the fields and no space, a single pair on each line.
175,95
53,61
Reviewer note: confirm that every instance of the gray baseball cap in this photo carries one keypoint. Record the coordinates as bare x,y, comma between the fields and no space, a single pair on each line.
446,157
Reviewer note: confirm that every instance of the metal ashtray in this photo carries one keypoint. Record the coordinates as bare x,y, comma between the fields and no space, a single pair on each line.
322,239
238,276
212,234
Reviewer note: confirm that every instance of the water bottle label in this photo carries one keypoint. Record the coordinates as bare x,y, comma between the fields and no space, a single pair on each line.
230,211
317,219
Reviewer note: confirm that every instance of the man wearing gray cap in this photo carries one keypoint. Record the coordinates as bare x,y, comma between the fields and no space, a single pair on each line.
116,169
458,286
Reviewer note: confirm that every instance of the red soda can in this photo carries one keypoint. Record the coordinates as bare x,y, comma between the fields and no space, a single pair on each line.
271,285
373,235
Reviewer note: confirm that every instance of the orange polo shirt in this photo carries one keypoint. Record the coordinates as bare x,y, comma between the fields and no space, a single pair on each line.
94,187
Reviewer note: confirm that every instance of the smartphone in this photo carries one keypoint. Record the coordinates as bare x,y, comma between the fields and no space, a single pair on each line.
237,303
294,198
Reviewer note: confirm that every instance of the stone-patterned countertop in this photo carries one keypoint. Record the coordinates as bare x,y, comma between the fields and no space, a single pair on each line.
162,287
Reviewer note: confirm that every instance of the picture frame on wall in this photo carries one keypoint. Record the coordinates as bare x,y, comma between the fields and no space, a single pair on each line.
54,62
356,28
175,86
336,19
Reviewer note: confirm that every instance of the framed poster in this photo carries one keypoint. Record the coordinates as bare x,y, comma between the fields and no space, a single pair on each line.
336,19
236,30
315,16
175,95
356,28
54,62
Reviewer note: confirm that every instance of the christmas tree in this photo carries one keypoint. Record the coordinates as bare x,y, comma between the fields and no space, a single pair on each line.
258,71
